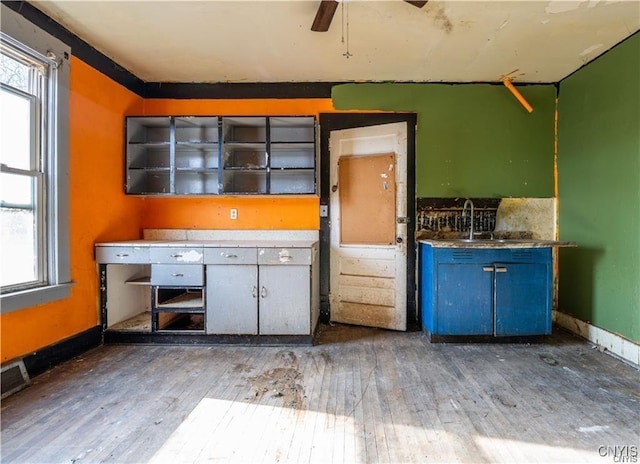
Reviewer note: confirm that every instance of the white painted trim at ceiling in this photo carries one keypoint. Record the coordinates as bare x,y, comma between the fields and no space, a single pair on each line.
603,339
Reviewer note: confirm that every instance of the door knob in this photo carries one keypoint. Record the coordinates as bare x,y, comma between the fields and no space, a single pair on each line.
399,240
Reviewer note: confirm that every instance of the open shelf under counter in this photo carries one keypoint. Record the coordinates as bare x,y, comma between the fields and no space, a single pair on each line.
184,302
138,323
143,280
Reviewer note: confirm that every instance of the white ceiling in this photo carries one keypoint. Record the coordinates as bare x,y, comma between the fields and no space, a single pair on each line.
271,41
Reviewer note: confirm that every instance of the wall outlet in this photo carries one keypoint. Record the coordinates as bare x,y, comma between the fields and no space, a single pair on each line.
233,213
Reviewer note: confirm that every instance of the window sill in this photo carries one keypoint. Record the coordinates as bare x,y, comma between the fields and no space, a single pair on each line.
36,296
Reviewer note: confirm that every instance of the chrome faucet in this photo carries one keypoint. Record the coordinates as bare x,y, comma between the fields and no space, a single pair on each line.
469,203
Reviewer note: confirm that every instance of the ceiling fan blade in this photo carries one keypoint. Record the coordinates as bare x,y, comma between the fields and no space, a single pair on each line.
325,13
418,4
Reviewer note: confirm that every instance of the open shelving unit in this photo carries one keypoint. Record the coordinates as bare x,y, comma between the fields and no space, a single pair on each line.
292,155
211,155
245,156
178,309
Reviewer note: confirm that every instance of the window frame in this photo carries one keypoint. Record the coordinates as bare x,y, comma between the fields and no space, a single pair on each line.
24,35
37,96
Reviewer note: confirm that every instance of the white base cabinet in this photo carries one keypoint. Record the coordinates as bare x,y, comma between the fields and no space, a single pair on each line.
232,299
285,300
246,289
274,296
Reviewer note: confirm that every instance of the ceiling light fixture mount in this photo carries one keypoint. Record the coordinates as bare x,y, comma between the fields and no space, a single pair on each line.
327,9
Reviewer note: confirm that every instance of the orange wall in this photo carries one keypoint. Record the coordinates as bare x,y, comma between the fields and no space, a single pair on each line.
254,212
260,212
98,210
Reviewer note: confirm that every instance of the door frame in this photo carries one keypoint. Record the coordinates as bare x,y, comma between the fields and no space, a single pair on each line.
336,121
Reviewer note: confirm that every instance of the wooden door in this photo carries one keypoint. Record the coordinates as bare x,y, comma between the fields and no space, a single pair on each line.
368,200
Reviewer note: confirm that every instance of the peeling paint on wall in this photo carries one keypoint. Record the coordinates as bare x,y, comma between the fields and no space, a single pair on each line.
534,215
439,217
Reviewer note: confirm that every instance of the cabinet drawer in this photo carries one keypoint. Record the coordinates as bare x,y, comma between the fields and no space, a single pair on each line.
294,256
230,256
178,275
177,255
122,254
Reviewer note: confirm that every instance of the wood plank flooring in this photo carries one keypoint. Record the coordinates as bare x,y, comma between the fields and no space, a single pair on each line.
358,395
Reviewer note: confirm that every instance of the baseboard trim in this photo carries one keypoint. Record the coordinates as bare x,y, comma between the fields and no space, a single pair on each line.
52,355
610,342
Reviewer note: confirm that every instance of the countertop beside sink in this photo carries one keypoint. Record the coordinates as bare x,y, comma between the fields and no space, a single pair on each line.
494,243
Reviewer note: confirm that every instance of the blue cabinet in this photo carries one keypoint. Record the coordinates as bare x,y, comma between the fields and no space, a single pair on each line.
464,300
485,291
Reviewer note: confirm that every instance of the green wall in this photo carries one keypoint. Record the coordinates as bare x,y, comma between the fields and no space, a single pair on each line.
599,191
473,140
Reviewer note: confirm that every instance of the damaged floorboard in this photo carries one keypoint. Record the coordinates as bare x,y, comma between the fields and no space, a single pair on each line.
358,395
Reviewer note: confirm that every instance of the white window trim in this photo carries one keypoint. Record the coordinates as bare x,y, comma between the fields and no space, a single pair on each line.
58,268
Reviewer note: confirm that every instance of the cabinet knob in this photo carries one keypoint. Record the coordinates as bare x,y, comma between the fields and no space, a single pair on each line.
254,292
263,292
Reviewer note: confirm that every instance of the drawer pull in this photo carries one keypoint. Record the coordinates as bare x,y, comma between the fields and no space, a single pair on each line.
176,256
122,255
226,255
263,292
177,275
285,258
501,269
254,292
487,269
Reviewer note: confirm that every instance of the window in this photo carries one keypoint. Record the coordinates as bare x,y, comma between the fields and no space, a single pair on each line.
34,267
23,94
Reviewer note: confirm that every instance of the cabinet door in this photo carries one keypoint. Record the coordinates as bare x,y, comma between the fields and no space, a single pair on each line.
464,299
522,299
285,300
232,299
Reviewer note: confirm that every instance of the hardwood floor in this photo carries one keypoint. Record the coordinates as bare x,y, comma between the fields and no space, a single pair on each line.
359,395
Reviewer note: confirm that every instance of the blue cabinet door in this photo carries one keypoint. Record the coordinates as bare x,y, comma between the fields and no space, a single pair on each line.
522,299
464,299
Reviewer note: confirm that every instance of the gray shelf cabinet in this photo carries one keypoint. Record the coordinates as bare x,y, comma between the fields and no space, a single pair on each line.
261,291
232,290
209,290
283,311
212,155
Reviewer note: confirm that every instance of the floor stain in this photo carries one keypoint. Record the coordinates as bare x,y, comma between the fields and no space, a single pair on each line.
281,382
